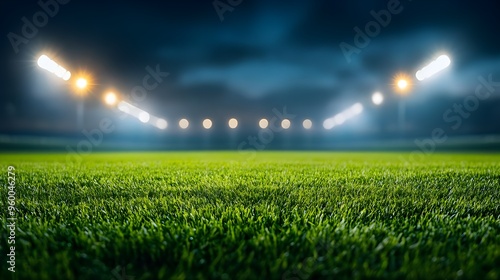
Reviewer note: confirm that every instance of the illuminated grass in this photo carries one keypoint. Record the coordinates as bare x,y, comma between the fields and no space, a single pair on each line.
277,216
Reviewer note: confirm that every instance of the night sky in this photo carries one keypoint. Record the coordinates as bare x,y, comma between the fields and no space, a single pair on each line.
262,55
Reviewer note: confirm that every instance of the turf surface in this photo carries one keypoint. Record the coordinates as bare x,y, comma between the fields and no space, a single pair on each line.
278,215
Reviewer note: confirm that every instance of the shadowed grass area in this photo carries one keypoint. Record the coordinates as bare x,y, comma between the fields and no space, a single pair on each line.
278,215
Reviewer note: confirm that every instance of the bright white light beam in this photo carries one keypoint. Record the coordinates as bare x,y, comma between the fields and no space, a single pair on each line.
158,122
50,65
144,117
441,63
141,115
342,117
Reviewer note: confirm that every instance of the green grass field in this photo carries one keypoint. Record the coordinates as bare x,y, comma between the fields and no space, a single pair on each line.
280,215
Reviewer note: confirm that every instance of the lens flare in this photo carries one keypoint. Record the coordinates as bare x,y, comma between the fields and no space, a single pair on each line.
81,83
110,98
402,83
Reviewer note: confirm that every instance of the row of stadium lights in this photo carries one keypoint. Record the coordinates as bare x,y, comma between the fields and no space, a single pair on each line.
110,98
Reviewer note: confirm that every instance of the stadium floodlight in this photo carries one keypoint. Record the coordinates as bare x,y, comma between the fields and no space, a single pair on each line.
110,98
263,123
342,117
285,123
329,123
441,63
132,110
161,123
233,123
339,119
402,84
207,123
66,75
356,109
50,65
158,122
183,123
307,124
81,83
377,98
123,106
